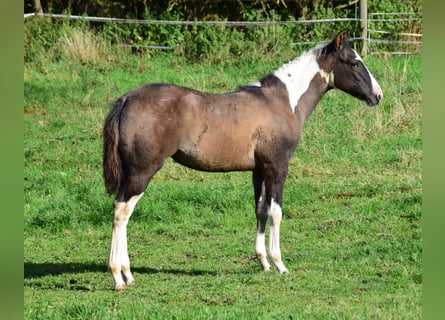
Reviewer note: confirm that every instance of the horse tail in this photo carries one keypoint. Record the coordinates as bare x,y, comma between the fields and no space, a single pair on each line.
112,162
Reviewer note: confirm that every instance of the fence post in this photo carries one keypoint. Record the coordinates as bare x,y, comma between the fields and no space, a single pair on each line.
37,6
364,26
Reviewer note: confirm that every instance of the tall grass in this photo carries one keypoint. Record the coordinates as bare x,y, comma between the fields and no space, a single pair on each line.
351,234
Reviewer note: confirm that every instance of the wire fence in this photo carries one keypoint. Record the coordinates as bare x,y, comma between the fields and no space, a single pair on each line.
382,36
394,36
177,22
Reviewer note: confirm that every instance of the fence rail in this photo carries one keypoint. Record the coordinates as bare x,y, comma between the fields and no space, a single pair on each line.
397,38
370,20
171,22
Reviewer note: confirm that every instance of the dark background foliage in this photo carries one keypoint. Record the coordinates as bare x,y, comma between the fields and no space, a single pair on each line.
210,9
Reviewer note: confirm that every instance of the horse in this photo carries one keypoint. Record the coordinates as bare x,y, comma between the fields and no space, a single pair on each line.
255,128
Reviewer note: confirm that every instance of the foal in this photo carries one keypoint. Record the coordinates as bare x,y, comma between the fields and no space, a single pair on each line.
255,128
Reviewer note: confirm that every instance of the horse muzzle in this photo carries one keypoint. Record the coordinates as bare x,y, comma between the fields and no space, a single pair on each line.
376,96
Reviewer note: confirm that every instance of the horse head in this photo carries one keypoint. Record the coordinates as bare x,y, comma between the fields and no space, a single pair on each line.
348,72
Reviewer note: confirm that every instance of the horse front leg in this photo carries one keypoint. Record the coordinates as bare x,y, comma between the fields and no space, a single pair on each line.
119,261
274,183
275,214
261,217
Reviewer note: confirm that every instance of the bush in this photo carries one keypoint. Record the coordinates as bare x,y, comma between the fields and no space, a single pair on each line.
50,40
94,43
221,43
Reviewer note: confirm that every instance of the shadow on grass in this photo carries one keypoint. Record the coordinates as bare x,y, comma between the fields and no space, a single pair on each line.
37,270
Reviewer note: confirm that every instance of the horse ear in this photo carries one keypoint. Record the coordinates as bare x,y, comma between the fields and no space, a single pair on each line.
338,41
341,38
346,35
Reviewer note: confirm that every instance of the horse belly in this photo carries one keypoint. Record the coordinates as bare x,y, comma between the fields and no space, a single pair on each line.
217,155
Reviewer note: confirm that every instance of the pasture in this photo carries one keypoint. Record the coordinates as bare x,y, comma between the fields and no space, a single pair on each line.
350,237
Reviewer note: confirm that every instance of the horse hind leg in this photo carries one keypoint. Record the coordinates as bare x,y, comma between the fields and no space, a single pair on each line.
119,261
128,195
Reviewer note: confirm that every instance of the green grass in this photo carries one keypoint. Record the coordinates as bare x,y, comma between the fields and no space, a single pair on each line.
351,235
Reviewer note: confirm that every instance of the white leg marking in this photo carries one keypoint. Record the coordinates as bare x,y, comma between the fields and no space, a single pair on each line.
260,249
275,216
119,262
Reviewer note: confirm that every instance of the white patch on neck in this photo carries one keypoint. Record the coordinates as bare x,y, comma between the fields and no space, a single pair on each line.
328,77
255,83
298,73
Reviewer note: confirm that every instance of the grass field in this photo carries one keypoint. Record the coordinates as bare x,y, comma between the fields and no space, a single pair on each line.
351,235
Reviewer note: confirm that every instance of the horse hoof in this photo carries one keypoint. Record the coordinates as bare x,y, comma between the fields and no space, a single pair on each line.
120,287
131,283
285,271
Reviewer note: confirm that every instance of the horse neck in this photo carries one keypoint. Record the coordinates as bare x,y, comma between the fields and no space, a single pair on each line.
306,83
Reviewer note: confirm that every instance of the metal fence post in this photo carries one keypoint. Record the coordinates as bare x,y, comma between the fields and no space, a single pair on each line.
364,26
